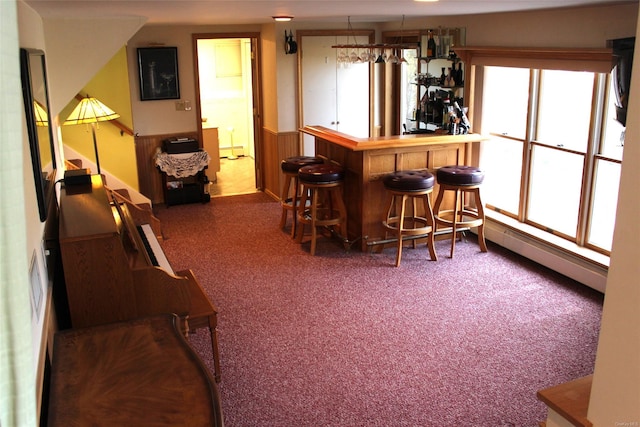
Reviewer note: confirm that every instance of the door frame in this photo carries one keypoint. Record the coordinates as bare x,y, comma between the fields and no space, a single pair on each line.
391,116
256,77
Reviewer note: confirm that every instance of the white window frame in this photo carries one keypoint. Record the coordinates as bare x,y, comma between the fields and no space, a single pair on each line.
592,60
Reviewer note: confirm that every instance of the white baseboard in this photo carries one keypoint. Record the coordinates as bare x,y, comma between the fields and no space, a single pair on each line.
573,266
235,151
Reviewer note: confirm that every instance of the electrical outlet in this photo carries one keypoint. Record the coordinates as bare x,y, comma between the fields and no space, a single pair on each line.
180,106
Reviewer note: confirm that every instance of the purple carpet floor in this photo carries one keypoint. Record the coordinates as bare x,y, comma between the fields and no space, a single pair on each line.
347,339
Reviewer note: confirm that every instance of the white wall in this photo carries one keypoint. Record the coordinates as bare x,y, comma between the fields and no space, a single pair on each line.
32,38
78,48
615,393
161,117
561,27
287,88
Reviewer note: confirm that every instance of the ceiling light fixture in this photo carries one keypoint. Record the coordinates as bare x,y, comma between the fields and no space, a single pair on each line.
282,18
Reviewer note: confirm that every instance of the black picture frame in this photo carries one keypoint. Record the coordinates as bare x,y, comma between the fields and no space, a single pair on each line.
33,73
158,72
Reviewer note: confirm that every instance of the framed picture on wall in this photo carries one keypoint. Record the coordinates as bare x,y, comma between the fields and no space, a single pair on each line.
158,72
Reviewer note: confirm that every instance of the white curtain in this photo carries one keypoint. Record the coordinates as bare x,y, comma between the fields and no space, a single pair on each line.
17,377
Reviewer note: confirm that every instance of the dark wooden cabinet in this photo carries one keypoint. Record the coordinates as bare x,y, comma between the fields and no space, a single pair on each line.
190,189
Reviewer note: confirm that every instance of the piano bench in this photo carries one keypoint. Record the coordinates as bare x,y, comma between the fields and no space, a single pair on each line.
203,314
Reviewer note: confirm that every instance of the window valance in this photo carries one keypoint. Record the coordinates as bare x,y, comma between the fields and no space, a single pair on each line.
583,59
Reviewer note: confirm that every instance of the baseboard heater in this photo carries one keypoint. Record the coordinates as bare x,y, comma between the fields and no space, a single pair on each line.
579,269
232,151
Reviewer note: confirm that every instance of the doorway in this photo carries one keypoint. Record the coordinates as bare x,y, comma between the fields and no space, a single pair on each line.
227,100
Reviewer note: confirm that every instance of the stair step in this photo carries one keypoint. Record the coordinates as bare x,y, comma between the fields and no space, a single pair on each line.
145,206
74,164
123,192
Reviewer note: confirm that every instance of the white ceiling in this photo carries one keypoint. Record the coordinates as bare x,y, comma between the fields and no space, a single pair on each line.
218,12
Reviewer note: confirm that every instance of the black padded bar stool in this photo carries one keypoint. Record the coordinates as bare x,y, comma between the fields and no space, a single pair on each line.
414,186
291,189
322,190
461,180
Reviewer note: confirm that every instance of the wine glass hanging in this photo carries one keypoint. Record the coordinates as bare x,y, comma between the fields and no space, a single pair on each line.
368,53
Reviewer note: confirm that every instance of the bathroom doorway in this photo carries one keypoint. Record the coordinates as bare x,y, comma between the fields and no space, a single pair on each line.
227,102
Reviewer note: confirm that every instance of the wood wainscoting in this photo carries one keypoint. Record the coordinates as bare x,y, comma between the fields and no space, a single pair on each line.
149,178
277,147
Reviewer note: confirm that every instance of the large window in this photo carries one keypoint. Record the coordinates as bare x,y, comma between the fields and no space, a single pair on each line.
558,150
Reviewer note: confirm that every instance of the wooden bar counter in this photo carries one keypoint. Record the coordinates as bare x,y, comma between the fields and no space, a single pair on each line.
367,160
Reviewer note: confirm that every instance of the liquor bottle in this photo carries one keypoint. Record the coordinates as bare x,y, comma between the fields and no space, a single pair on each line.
431,46
457,75
446,108
449,80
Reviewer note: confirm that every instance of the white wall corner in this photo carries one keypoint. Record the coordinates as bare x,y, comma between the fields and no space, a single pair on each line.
76,49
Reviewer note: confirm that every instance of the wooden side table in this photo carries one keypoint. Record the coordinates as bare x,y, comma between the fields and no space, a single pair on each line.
139,373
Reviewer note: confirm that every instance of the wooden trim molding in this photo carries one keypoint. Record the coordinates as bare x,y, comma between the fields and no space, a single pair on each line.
583,59
570,400
381,142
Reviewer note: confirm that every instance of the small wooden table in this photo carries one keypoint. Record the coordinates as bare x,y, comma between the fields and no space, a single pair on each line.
138,373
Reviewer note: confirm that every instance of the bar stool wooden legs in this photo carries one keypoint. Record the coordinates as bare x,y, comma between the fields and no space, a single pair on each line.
461,180
405,186
291,189
322,188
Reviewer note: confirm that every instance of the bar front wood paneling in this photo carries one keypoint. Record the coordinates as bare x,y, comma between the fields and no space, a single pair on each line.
367,160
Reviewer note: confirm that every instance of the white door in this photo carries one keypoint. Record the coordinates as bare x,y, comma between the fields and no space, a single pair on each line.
334,97
352,101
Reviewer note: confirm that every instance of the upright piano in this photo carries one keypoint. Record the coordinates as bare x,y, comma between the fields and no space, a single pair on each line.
115,269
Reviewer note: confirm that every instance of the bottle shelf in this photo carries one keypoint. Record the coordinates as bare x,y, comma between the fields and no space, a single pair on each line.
439,80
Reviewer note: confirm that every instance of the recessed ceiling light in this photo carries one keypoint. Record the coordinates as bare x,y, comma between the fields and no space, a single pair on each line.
282,18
